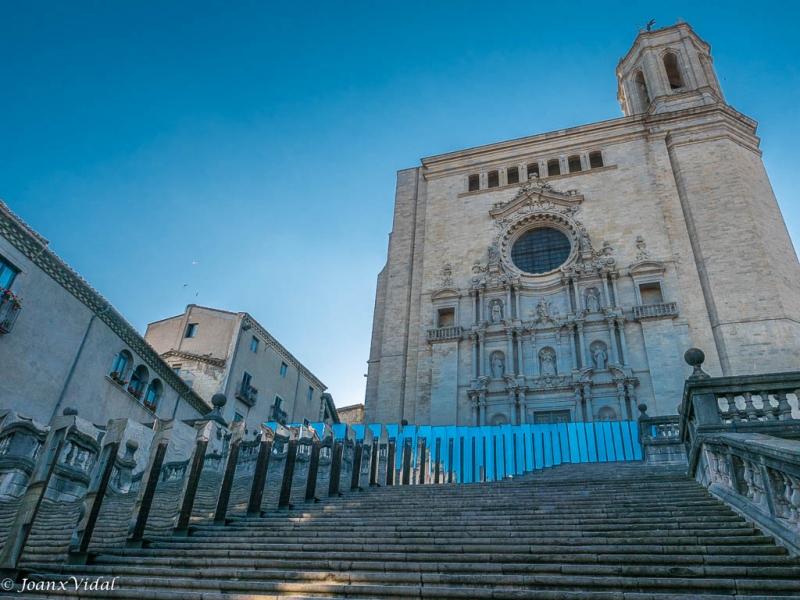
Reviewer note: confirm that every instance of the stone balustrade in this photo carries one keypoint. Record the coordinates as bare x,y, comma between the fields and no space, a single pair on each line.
655,311
441,334
742,439
660,438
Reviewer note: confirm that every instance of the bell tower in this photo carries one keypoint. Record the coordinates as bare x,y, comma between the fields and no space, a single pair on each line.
667,69
745,261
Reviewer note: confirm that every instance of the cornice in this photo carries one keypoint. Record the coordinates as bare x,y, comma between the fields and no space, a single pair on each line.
581,137
283,352
217,362
34,247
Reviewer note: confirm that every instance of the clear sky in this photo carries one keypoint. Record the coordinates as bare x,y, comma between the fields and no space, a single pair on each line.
261,139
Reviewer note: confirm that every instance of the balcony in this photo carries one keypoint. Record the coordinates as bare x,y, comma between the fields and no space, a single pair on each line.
664,310
247,394
278,415
441,334
10,307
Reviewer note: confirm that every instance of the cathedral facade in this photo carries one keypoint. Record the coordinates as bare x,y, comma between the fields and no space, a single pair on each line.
560,277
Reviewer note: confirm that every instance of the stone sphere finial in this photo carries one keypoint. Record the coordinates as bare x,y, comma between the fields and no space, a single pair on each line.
219,400
70,411
695,357
642,409
131,446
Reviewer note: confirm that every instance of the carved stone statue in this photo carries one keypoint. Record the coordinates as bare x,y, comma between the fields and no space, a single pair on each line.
543,309
600,358
494,255
548,362
498,365
586,245
497,311
592,300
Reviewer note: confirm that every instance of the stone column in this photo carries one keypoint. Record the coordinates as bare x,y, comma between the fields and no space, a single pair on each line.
579,414
521,366
481,353
606,297
559,354
474,338
626,416
482,408
523,408
508,311
480,306
587,396
510,346
475,408
572,328
534,356
612,349
587,360
474,295
631,394
578,299
623,345
512,405
614,287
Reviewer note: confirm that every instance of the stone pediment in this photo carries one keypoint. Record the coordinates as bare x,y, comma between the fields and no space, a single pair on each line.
445,293
536,195
646,267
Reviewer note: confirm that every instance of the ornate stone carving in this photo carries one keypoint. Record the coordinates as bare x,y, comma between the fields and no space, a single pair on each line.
642,253
447,276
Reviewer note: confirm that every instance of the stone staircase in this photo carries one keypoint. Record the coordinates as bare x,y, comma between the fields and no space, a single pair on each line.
611,530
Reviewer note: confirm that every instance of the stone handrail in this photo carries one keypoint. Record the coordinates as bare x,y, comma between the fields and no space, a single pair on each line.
764,404
757,475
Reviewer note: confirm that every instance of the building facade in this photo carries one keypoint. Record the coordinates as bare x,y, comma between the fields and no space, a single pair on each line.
216,351
560,277
63,345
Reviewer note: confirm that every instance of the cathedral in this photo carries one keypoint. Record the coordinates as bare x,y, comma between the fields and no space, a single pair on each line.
560,277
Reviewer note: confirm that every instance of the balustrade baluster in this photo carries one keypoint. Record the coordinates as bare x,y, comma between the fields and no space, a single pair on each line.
749,407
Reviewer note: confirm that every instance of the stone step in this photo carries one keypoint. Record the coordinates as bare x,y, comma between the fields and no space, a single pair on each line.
300,569
400,561
470,541
436,585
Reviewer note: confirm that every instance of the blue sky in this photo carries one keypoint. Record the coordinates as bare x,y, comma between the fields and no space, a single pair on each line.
261,139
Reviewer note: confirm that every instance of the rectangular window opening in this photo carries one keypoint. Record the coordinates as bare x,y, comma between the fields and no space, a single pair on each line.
254,344
447,317
595,160
474,183
283,369
7,273
533,170
191,330
651,293
493,179
512,175
310,393
553,167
